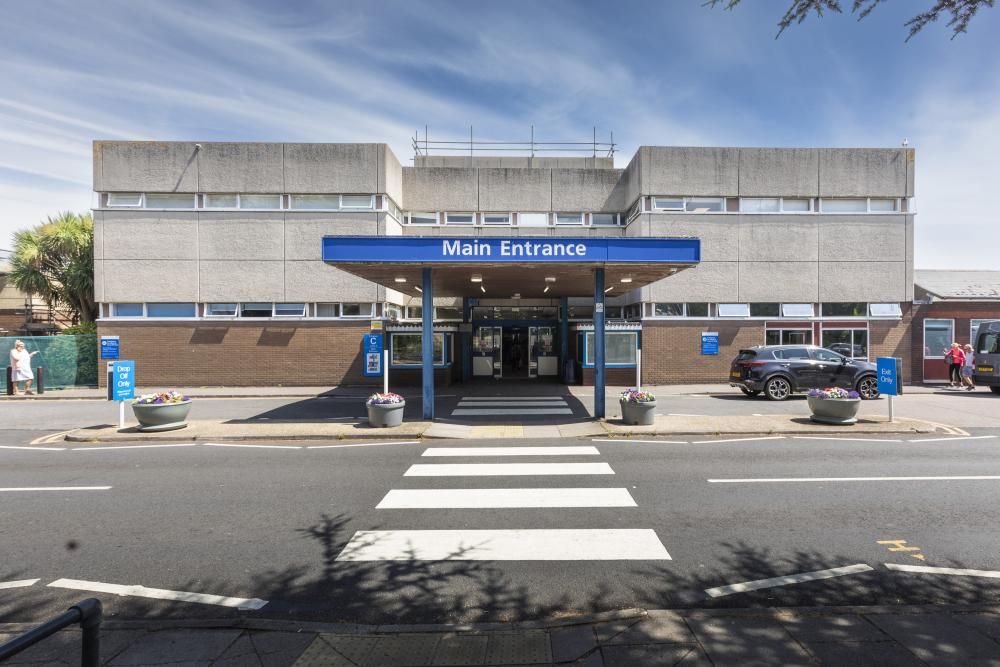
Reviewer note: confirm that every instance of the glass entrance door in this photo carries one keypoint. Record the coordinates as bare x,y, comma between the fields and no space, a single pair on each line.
542,359
487,352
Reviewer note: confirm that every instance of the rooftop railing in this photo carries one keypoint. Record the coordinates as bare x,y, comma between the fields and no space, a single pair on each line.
423,147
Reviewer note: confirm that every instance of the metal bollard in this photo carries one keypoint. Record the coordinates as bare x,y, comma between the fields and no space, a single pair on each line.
10,381
40,380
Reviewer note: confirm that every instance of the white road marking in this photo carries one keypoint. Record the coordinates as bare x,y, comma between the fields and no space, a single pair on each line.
820,437
970,437
652,442
510,404
365,444
18,584
96,449
709,442
481,412
159,594
513,398
758,584
220,444
506,498
954,571
498,469
56,488
512,451
682,414
856,479
44,449
542,544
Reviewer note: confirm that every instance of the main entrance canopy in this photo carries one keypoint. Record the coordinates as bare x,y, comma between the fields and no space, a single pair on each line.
502,267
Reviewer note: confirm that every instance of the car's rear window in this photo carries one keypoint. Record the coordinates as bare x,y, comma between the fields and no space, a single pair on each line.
792,353
746,355
989,343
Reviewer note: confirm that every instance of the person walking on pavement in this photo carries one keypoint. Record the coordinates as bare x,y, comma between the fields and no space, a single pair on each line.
955,358
967,367
20,364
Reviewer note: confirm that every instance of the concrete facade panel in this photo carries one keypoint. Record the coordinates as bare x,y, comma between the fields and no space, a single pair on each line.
795,282
515,190
304,232
862,172
876,282
332,168
779,172
778,238
145,166
630,181
241,236
719,234
868,238
709,172
132,280
709,281
99,294
440,189
251,280
587,190
149,235
241,167
317,281
391,182
98,217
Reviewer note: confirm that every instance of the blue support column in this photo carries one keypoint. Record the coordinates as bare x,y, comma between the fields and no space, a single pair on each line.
599,343
466,341
563,334
427,338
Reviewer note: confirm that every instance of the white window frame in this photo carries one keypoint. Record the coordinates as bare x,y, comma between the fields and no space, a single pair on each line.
316,306
520,218
208,314
423,214
616,220
485,223
264,194
145,311
810,200
861,326
895,314
304,313
209,195
140,204
369,207
765,317
868,206
743,306
680,209
408,317
448,319
694,200
843,317
635,210
748,199
579,221
116,316
933,355
794,316
448,219
194,201
781,335
239,312
362,316
293,207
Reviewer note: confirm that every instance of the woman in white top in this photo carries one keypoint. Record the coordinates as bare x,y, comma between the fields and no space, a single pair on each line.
20,363
968,367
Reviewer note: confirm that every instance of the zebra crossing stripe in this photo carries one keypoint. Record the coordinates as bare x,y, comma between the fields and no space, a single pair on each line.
484,412
500,469
505,498
512,451
503,545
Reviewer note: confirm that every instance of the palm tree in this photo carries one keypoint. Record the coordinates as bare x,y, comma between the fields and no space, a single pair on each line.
55,260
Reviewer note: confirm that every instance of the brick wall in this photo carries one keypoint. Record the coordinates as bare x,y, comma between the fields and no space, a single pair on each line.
242,353
893,338
11,320
671,350
613,377
960,311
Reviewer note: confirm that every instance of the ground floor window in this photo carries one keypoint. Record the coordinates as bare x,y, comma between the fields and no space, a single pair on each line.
407,349
619,348
938,337
788,337
848,342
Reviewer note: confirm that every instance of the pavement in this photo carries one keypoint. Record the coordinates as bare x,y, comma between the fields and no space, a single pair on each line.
626,638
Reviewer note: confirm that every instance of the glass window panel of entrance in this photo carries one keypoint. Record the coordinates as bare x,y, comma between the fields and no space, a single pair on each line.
407,349
848,342
619,347
788,337
938,337
515,313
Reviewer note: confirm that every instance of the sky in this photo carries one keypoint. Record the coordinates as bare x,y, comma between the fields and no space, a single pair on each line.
671,73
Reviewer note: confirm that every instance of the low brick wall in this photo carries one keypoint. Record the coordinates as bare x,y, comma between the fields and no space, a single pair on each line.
671,350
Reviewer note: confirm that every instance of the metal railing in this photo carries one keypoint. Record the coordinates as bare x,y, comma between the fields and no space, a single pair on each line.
423,147
87,613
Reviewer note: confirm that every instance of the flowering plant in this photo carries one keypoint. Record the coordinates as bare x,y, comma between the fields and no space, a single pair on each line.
636,396
384,399
833,392
161,398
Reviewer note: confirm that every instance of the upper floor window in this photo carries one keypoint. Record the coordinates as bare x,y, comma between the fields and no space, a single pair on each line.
733,310
569,218
680,309
125,199
496,218
704,204
315,202
170,201
263,202
127,310
289,310
222,201
532,219
796,205
885,310
668,203
357,309
421,218
859,205
255,309
882,205
459,218
221,309
171,310
357,201
765,309
603,219
760,205
797,310
844,309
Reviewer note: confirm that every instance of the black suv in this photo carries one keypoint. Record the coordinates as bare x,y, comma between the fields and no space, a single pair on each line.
780,370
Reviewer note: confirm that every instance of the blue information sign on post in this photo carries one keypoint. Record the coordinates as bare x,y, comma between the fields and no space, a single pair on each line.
709,342
109,347
123,381
373,354
888,375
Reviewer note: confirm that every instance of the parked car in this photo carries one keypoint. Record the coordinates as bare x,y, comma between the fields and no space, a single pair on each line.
778,371
849,350
986,371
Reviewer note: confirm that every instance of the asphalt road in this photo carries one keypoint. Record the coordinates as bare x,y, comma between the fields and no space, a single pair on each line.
269,523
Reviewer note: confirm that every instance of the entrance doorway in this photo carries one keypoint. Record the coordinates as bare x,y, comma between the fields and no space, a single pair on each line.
514,352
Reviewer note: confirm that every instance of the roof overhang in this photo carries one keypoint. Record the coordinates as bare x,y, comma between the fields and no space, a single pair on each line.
503,267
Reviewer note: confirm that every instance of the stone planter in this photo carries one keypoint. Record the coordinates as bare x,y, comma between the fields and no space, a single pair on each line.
834,410
385,415
162,416
638,414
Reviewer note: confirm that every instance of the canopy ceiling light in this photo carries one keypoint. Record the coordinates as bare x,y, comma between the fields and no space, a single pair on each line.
400,279
419,289
609,289
476,278
545,290
550,279
627,279
482,289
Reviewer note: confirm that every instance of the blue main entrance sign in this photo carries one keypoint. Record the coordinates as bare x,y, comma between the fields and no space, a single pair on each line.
475,250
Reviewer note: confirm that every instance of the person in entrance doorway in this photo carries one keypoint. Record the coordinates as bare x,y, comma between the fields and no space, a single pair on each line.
967,367
955,358
20,364
515,357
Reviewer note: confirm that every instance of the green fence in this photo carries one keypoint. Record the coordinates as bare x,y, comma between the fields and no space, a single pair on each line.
69,361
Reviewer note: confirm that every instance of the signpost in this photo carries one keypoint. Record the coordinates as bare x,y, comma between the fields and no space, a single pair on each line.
709,342
888,380
109,347
376,357
121,385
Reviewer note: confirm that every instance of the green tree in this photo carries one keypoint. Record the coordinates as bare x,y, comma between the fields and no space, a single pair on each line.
960,12
55,260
